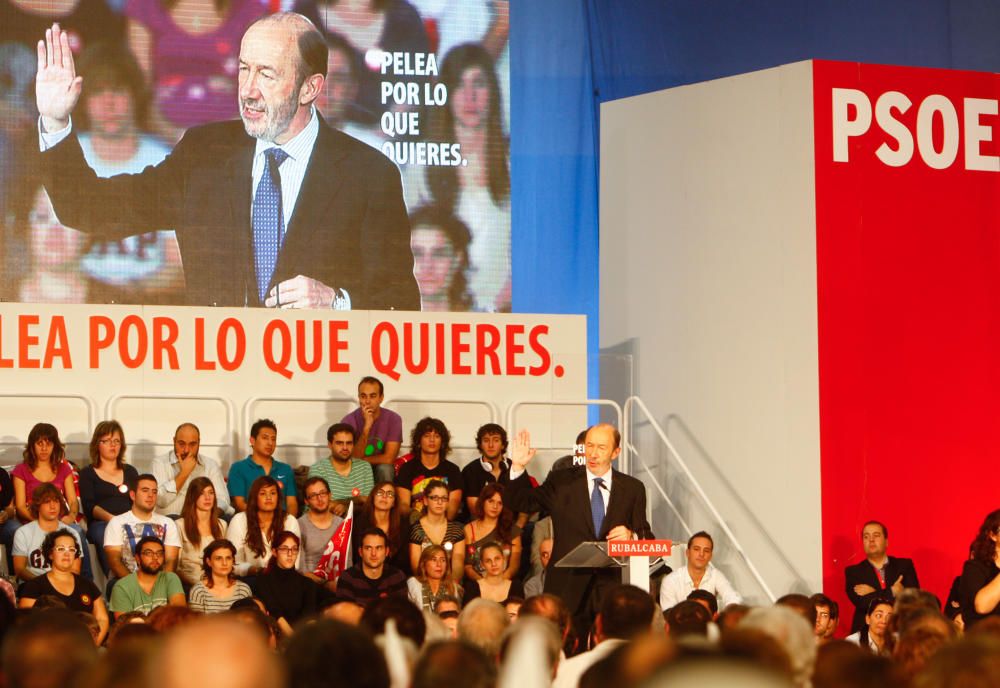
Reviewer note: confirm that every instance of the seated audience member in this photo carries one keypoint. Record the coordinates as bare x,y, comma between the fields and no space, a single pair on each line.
432,581
288,594
218,588
552,608
47,649
980,586
706,599
176,470
198,526
378,432
457,665
698,574
61,551
800,603
29,557
260,463
874,635
125,530
493,522
381,510
346,477
512,605
492,466
482,623
318,526
923,632
730,617
150,586
688,618
371,577
494,585
536,584
792,631
44,462
439,242
831,628
822,603
253,531
410,622
359,662
577,458
626,612
434,528
430,441
111,119
879,574
104,483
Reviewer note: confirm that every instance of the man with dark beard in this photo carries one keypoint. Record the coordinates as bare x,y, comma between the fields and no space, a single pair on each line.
150,586
265,209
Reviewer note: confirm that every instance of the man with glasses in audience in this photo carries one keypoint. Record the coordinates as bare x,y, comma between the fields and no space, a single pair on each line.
318,526
347,477
149,586
47,506
124,531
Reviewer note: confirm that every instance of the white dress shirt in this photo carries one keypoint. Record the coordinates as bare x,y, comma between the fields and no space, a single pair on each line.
170,500
678,585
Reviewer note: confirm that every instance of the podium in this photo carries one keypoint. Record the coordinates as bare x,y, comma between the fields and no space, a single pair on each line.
631,556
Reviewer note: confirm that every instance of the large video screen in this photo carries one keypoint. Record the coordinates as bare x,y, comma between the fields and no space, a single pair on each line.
424,83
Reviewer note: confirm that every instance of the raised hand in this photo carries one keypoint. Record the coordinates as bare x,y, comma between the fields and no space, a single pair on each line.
57,87
523,451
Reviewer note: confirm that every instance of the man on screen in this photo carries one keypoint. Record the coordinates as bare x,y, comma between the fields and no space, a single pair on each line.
264,210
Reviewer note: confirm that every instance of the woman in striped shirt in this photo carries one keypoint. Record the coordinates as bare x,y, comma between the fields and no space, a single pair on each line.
219,587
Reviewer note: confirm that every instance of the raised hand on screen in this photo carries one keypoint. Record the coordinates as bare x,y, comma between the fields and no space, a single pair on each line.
57,87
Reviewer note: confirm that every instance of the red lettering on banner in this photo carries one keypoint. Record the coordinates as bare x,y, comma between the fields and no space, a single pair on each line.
26,339
309,365
486,349
439,348
337,327
4,362
458,348
278,365
513,349
227,362
545,360
57,345
165,333
639,548
102,334
129,323
200,362
413,366
386,367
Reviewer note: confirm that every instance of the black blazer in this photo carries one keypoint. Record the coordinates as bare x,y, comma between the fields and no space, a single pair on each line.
349,227
864,572
565,496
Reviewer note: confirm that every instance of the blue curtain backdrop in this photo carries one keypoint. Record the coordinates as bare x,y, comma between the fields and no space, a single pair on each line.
568,56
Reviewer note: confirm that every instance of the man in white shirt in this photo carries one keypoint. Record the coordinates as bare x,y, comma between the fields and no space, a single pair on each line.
699,574
125,530
176,469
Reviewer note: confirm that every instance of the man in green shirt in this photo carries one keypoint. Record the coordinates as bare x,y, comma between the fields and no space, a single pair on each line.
150,586
348,478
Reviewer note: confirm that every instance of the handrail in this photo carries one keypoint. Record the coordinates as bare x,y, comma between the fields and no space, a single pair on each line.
634,400
112,403
623,462
88,402
659,488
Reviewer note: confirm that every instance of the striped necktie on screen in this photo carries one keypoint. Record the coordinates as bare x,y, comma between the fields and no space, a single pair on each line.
267,219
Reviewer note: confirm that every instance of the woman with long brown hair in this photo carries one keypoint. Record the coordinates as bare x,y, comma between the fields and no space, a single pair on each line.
104,483
199,525
381,510
288,594
980,583
253,530
434,528
431,582
494,523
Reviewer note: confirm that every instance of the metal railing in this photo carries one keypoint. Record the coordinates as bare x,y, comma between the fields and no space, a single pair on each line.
635,401
512,411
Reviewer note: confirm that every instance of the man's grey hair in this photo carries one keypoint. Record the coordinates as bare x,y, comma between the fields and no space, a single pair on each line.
482,623
793,634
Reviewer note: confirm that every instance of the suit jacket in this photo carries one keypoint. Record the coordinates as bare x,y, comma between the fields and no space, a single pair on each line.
565,495
349,228
864,572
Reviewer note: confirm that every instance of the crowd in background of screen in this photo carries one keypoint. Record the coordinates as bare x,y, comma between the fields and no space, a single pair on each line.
424,81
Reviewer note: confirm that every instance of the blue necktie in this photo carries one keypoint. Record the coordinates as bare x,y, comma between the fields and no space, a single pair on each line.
597,506
267,219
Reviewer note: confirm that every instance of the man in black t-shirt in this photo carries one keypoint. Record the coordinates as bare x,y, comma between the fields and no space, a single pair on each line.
430,442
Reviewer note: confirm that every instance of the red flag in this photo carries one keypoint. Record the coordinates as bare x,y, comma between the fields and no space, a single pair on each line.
336,555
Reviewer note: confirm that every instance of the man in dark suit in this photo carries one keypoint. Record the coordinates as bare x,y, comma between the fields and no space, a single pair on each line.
877,574
587,503
279,210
